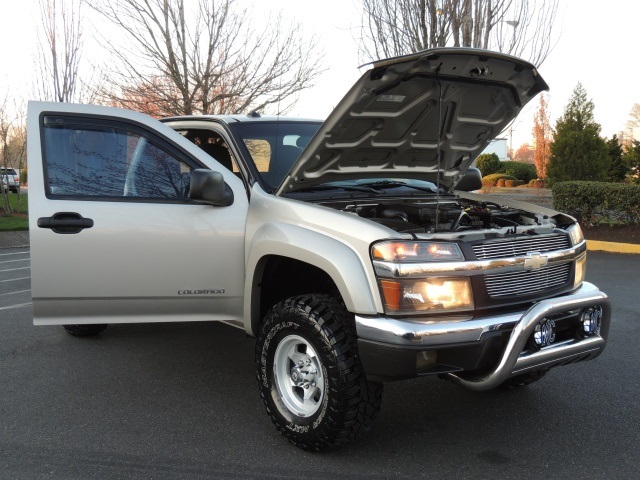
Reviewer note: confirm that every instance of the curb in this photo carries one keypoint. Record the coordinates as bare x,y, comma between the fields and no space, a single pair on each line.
613,247
17,239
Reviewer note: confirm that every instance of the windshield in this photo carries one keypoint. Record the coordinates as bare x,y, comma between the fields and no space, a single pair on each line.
274,146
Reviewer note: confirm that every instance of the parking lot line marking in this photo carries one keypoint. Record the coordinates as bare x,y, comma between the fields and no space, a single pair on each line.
15,279
13,253
14,293
13,261
14,269
20,305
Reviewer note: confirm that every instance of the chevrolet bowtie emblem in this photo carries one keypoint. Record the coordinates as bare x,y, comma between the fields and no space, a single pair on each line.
535,261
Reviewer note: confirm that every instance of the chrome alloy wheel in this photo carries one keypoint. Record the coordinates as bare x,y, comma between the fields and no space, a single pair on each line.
298,376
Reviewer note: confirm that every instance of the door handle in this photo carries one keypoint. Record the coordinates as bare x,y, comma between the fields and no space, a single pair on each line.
65,222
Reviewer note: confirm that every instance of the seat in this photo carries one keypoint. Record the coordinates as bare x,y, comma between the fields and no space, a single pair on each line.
220,153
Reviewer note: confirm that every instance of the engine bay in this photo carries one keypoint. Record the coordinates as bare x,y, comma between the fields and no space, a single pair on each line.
448,214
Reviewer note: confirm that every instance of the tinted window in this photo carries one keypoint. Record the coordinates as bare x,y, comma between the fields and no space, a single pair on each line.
110,162
214,144
274,146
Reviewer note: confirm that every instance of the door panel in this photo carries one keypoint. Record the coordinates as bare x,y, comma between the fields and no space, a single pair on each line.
145,251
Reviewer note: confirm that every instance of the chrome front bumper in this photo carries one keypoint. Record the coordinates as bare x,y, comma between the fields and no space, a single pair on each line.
435,333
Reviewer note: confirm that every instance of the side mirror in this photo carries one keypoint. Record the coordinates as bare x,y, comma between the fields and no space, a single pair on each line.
472,180
208,186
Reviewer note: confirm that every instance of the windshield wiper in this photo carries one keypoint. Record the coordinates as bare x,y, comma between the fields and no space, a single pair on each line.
396,183
349,188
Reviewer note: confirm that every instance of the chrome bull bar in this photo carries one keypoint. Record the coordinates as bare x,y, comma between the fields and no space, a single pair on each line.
514,361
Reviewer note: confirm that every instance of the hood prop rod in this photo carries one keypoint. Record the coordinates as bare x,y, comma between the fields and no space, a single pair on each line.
439,134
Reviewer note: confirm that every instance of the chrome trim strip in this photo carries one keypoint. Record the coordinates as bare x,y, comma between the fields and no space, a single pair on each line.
474,267
521,246
526,283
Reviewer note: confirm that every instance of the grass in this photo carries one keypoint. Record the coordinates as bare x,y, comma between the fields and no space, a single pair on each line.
18,220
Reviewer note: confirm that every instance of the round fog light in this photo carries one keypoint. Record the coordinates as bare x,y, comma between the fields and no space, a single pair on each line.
544,333
590,319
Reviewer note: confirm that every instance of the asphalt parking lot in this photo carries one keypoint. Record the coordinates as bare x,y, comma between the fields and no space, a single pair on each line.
174,401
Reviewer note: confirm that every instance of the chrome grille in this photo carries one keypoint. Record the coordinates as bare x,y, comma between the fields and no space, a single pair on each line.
521,246
526,283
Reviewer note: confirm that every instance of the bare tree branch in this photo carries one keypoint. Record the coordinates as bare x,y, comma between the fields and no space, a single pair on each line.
60,46
397,27
632,124
206,59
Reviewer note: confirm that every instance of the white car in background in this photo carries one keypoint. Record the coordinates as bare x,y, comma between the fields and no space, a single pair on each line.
10,179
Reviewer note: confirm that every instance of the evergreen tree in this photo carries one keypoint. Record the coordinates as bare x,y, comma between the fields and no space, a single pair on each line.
632,159
619,168
577,151
488,163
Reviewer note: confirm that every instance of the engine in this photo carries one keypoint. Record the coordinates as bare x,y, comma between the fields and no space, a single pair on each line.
450,214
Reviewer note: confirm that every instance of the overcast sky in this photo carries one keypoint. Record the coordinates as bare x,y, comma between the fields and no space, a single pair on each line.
597,46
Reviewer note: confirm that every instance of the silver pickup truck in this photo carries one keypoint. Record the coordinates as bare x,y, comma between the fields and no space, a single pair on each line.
351,249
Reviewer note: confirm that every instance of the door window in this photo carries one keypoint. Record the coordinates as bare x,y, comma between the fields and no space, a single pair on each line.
105,161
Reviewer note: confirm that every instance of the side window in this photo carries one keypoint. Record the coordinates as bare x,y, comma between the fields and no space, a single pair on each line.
214,145
97,161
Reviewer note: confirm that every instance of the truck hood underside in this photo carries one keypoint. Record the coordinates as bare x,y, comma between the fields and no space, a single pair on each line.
403,111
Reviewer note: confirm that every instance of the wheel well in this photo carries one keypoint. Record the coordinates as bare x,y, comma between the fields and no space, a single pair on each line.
278,277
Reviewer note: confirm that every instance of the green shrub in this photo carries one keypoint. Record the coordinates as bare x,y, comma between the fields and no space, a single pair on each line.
522,171
492,179
488,163
598,203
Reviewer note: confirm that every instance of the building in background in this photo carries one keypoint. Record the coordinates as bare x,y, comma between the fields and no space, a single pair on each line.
499,147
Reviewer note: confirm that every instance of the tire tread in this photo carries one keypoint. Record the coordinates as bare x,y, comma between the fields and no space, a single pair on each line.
358,401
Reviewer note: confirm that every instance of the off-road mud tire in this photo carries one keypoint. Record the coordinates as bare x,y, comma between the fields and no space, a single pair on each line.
349,403
85,330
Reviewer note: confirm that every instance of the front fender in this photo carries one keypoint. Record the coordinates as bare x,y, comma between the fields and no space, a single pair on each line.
341,262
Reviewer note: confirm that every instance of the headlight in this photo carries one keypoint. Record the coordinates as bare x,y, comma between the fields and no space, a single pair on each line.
432,294
427,295
575,232
415,252
581,271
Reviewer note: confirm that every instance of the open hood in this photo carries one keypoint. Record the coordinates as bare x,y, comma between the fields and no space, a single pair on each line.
404,110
